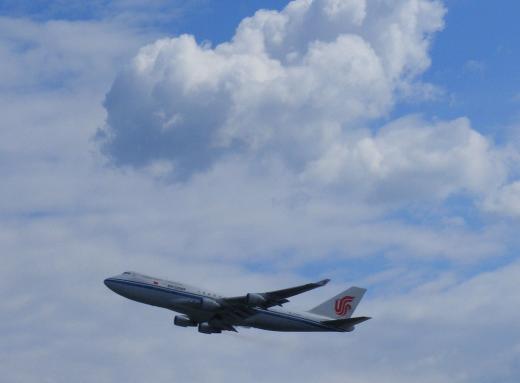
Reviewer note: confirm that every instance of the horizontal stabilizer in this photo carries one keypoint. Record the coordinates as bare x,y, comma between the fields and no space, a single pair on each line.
346,322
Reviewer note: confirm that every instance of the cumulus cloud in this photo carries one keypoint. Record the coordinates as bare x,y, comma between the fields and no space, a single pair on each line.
433,159
287,85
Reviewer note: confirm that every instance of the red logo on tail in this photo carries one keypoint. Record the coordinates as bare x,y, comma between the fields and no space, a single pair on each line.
342,306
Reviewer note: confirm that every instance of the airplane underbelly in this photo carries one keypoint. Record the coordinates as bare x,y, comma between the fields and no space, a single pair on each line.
271,322
154,297
171,301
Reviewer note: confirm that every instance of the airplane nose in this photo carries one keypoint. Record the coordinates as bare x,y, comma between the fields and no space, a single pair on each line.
109,282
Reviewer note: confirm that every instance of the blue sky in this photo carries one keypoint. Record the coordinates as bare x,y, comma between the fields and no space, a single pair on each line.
472,55
372,142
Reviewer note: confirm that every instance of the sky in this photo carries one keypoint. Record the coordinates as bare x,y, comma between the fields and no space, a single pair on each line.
249,146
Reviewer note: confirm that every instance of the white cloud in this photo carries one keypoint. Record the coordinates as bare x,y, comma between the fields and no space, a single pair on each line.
433,160
288,84
475,66
60,55
506,200
282,90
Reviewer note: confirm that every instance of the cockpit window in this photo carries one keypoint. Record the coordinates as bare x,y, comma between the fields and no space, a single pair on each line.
127,273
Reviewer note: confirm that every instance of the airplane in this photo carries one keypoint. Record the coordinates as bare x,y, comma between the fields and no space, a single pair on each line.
213,313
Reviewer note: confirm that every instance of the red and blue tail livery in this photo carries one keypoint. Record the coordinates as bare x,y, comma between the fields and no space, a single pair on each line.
342,305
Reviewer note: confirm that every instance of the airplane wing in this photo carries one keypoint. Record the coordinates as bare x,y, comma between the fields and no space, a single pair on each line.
271,298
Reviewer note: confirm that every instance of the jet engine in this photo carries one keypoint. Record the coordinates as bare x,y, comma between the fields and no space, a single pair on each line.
255,299
209,304
206,328
201,304
183,321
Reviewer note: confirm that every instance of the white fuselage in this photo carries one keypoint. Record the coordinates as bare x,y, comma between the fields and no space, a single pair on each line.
187,300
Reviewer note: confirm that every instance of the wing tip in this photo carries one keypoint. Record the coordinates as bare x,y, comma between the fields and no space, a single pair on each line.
323,282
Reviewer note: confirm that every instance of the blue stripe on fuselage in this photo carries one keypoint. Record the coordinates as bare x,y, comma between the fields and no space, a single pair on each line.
258,310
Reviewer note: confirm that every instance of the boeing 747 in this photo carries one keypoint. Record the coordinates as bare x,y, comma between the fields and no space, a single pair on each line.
213,313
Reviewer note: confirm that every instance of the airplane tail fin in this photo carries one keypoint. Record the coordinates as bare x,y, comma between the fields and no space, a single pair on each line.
341,306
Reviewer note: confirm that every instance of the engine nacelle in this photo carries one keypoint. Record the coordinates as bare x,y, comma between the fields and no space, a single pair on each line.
183,321
255,299
200,304
206,328
209,304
